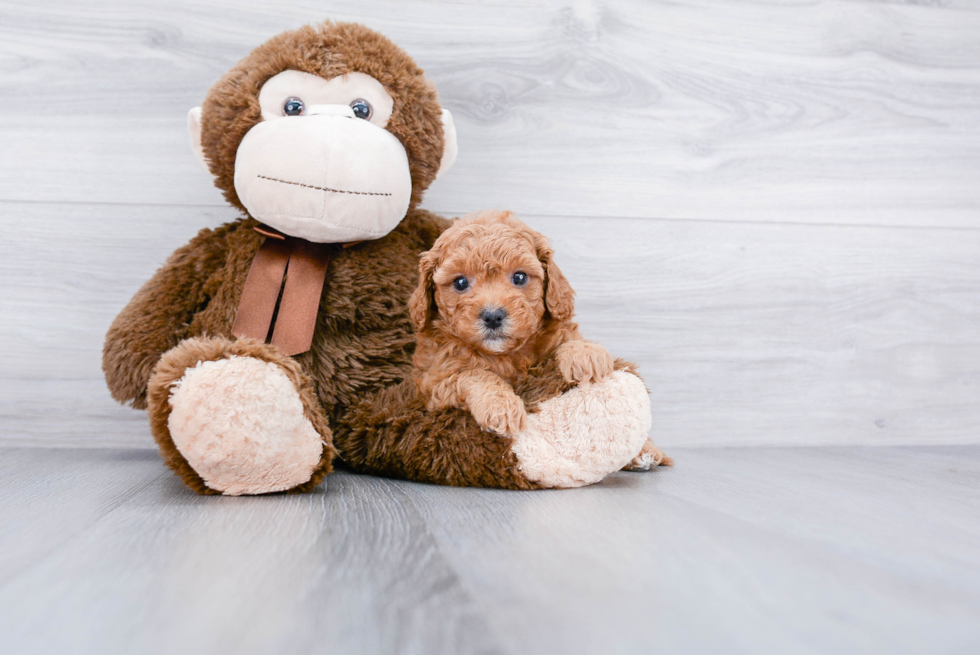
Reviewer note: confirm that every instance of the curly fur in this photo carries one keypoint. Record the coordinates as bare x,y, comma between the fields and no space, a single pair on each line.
459,360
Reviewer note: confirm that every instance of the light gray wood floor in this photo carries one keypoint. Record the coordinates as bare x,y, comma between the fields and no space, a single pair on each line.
749,550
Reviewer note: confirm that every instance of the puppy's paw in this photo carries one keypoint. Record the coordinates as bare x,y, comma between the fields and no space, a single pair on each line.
583,361
649,457
501,413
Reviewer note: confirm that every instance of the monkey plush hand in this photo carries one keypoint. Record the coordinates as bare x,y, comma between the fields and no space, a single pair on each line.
267,347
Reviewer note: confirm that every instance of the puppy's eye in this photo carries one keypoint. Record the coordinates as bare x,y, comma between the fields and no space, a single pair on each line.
520,278
293,107
461,283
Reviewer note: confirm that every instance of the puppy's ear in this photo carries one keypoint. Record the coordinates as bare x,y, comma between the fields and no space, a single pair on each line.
422,304
559,297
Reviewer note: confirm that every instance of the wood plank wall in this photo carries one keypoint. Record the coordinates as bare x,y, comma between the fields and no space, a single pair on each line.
774,207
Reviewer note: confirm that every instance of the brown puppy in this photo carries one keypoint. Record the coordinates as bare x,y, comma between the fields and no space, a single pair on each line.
490,303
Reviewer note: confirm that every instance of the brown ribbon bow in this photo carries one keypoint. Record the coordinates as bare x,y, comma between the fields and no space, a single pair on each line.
281,296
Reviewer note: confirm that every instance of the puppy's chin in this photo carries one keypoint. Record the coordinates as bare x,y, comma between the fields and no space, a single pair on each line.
494,342
497,345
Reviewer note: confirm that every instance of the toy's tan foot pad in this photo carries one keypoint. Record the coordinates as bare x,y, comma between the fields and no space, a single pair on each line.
649,457
586,433
239,423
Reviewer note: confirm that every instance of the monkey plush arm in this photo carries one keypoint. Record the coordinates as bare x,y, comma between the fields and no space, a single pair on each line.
159,315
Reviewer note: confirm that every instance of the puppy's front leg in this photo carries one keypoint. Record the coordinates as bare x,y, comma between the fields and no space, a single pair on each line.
493,403
583,361
649,457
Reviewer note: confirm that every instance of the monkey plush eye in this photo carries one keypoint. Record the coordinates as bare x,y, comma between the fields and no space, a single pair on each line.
362,108
293,107
461,283
520,278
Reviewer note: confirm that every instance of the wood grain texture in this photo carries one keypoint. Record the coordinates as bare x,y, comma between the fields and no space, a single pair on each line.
746,334
351,569
786,334
732,551
829,550
828,112
49,498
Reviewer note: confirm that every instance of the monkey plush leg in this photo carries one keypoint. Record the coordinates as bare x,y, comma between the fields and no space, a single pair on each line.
576,435
238,417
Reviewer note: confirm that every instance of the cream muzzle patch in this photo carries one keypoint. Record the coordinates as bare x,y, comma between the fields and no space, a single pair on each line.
321,173
320,165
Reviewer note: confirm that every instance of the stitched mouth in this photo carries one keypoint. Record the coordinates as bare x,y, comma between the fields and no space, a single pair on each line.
323,188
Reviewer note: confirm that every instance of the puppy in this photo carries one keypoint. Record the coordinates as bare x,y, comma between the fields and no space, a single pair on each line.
491,303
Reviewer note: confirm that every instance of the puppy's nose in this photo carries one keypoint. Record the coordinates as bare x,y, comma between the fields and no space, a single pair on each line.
492,318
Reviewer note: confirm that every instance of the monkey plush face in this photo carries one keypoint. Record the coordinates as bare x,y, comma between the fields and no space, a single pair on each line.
329,134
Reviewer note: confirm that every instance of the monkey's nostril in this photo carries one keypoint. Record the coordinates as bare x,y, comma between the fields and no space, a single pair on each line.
493,318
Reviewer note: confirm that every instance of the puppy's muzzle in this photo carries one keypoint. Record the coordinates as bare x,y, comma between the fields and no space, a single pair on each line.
493,318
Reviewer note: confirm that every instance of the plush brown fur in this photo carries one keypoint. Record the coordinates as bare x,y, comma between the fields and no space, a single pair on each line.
459,361
161,313
363,339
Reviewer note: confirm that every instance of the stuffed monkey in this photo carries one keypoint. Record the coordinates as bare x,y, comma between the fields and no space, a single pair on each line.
267,347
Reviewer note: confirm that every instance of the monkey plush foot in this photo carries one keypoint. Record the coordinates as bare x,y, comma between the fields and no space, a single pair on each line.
237,417
586,433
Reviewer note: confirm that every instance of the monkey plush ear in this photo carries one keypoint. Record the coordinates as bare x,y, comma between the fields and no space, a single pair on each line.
194,127
422,304
451,148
